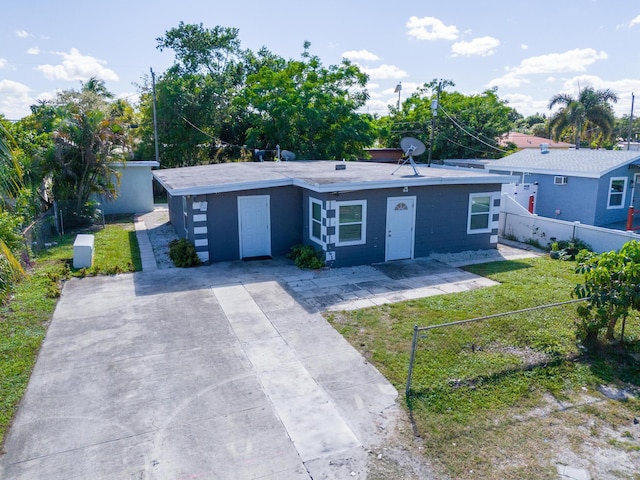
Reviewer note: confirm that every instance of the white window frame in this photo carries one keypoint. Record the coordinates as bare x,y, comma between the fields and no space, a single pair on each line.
471,214
623,193
315,201
363,223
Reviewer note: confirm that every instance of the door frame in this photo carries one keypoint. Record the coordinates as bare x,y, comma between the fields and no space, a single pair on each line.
268,218
413,225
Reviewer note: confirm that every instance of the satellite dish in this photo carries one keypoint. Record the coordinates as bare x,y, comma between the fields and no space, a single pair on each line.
287,156
411,146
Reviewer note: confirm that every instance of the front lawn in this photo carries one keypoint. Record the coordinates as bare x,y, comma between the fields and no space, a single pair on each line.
491,399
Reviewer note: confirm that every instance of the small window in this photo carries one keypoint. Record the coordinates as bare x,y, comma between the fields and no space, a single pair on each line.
479,213
617,190
351,223
315,220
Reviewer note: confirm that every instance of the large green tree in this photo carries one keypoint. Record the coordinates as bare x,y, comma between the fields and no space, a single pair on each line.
308,108
466,126
588,116
87,135
196,119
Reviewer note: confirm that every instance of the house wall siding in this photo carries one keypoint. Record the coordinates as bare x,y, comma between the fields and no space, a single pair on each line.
606,216
441,222
222,221
581,200
575,200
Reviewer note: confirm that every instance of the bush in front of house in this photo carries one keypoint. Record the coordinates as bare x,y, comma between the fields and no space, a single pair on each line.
305,256
182,253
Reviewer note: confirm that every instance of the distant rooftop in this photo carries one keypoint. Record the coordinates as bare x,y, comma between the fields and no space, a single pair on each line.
580,163
522,140
318,176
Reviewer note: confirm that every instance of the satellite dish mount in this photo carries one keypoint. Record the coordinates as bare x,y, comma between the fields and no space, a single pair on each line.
411,146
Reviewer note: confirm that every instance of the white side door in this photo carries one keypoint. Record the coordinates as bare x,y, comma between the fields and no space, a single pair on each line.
254,223
401,220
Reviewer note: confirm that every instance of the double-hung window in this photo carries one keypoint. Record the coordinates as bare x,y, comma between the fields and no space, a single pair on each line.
617,190
479,219
351,222
315,220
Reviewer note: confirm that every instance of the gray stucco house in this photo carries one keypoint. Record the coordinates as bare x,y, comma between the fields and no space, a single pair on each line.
355,213
595,187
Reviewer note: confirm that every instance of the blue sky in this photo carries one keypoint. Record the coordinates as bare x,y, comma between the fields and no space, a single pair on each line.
529,50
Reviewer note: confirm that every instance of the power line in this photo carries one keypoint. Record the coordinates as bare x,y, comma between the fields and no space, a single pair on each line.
471,134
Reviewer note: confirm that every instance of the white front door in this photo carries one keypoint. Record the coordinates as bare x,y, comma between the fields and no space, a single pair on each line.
254,222
401,219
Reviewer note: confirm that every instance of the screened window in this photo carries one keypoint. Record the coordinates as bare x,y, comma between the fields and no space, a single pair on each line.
351,223
315,220
479,220
617,190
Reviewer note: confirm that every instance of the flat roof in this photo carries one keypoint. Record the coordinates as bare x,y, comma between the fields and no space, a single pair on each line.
318,176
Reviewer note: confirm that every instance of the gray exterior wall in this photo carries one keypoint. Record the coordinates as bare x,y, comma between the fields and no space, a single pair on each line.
212,222
441,222
176,217
582,199
576,200
605,216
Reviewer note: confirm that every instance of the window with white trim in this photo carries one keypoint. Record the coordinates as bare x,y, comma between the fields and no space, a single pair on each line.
315,220
351,223
479,219
617,191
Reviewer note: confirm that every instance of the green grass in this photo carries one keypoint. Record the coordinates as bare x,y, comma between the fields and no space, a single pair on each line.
24,318
471,380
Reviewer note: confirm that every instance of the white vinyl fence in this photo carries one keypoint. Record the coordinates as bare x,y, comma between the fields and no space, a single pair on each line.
517,223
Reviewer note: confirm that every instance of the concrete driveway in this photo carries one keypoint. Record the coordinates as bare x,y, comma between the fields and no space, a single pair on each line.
207,373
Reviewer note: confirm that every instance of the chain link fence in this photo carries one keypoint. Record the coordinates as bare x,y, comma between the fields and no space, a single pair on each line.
470,352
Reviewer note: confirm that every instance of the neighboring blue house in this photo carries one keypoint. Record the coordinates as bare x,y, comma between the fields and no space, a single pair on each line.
356,213
594,187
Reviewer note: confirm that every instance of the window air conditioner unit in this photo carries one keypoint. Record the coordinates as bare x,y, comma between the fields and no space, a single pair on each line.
558,180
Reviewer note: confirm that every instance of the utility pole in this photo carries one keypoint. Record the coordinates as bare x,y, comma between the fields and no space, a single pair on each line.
630,124
434,113
155,120
398,90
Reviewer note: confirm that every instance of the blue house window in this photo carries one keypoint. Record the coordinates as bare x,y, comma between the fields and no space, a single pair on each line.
479,217
315,220
617,191
351,224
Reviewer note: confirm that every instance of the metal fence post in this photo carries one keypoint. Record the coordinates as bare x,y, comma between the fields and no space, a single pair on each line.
411,359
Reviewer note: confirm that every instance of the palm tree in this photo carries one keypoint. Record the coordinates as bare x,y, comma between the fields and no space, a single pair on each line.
590,111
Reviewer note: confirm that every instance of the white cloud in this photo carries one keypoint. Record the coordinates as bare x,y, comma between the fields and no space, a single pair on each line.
509,80
363,55
430,28
575,60
384,72
525,104
482,46
76,66
635,21
14,99
376,106
22,33
3,62
524,46
33,51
